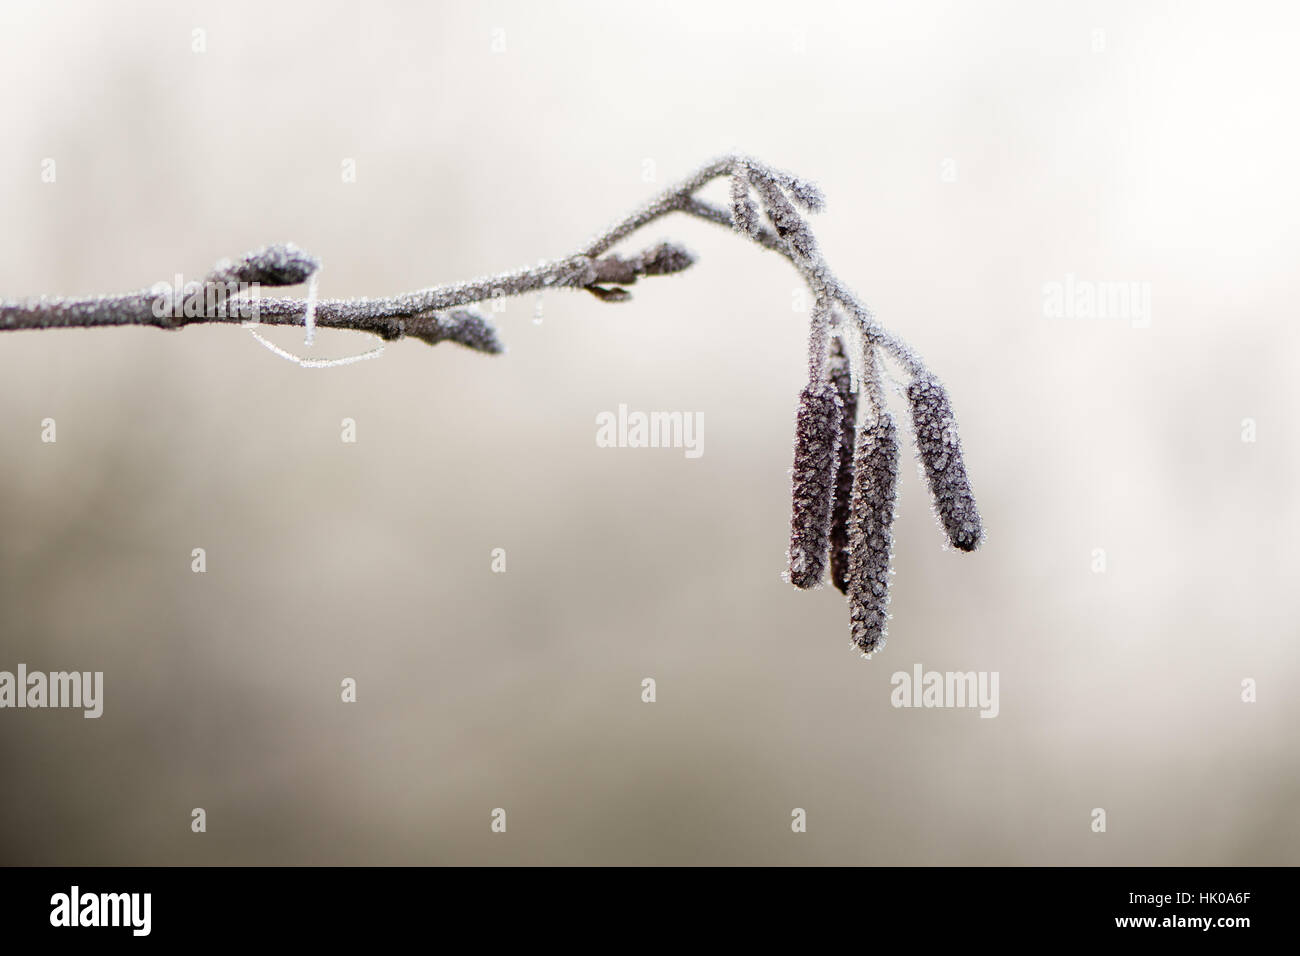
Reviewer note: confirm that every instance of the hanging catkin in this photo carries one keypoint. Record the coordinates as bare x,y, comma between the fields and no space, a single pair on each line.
875,483
939,449
816,450
842,378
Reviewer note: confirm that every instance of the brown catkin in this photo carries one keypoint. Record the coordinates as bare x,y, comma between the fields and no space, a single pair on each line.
875,483
939,449
816,450
842,378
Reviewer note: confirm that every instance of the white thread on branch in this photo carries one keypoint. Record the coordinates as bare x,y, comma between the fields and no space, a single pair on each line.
309,322
310,362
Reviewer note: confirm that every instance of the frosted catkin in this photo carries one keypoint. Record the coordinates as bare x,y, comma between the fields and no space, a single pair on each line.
939,449
875,483
817,441
842,378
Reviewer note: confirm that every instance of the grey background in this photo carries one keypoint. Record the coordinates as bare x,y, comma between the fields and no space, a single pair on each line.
1167,157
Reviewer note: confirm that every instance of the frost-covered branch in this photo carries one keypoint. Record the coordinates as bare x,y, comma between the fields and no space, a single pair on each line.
438,314
836,456
231,292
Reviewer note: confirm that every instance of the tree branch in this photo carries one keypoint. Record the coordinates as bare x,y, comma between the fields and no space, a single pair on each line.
834,454
231,291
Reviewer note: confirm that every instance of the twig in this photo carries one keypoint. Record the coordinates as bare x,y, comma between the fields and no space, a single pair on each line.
429,315
426,314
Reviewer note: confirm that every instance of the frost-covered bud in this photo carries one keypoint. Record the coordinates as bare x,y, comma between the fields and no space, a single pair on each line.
463,326
939,449
842,378
875,484
275,265
817,441
665,259
661,260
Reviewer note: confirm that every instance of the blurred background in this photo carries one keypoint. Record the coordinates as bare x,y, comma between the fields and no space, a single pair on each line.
973,155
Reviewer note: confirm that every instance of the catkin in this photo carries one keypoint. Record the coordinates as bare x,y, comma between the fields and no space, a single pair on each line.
939,449
842,378
875,483
816,450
